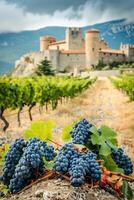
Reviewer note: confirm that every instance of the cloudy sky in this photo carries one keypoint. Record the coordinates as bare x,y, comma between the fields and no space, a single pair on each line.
17,15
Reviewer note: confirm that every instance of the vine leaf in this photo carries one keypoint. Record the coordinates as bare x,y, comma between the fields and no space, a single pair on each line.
110,164
107,135
104,150
127,191
95,138
40,129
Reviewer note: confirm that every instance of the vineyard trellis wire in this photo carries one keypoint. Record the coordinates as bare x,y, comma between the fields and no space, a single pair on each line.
15,93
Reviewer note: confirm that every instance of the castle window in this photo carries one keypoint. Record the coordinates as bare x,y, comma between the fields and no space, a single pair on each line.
92,49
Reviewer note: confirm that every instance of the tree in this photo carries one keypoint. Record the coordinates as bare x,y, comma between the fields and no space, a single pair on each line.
100,65
45,68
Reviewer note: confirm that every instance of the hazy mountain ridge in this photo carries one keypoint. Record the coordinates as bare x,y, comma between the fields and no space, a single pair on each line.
14,45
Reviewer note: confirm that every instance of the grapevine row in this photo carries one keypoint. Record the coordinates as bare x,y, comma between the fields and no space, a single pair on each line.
15,93
126,84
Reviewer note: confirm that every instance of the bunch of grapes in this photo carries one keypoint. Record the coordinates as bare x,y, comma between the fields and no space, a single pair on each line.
28,166
80,132
11,159
122,160
77,171
24,162
94,170
77,164
66,153
84,164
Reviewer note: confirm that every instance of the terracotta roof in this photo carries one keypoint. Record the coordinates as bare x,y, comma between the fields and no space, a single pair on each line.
47,37
93,31
113,51
58,42
81,51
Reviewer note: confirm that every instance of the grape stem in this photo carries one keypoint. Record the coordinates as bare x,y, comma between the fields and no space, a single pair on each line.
65,177
128,178
110,173
54,142
99,161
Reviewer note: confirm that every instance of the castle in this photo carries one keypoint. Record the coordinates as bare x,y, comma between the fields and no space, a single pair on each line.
76,52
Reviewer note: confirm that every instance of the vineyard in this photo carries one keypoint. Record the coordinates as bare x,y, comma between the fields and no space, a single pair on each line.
15,93
126,84
62,148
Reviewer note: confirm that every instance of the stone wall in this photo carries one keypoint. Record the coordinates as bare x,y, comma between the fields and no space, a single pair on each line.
111,57
71,61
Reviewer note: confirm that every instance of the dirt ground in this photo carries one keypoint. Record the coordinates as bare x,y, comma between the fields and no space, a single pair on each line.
100,104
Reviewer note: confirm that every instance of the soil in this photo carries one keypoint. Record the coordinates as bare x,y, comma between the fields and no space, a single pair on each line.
61,190
100,104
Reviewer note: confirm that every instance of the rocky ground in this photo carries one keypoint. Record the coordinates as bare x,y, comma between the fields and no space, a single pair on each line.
100,104
61,190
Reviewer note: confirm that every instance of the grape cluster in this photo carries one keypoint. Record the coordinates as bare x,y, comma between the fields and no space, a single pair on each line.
11,159
77,172
77,164
122,160
84,165
94,170
80,132
29,165
66,154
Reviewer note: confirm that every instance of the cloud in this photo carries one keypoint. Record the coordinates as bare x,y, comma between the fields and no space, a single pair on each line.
46,6
21,16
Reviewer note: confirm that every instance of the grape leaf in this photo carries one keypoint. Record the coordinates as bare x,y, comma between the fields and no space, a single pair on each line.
40,129
110,164
104,149
107,135
95,138
66,136
127,191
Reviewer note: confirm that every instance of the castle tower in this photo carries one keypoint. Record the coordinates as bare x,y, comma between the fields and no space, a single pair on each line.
45,41
92,45
73,38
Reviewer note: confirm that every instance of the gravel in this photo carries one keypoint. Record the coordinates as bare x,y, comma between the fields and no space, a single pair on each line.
57,189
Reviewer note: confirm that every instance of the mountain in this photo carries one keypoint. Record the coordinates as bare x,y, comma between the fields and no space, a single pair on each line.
14,45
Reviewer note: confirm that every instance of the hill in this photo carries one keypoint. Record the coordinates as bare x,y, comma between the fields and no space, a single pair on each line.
14,45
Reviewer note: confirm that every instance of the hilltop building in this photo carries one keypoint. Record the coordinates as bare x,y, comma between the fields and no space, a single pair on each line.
76,52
